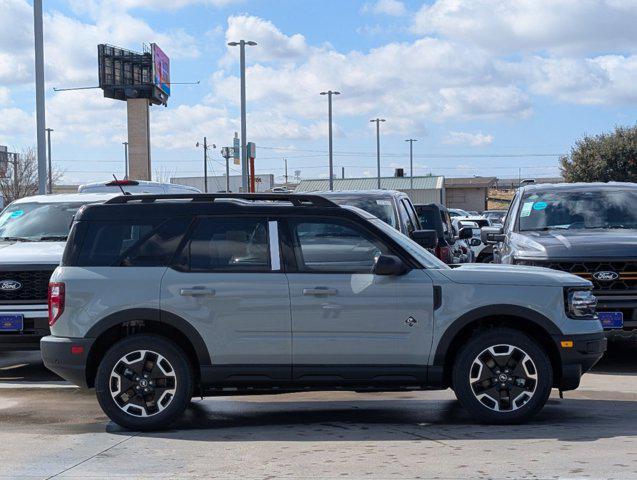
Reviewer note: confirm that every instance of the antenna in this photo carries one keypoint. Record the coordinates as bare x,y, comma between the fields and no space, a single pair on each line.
120,186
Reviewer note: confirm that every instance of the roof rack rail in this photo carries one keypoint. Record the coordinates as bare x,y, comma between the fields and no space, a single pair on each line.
298,200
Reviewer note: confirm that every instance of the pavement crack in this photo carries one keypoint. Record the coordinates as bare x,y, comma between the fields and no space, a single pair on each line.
92,456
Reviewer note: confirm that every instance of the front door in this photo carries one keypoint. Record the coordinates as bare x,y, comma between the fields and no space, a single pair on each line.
347,322
229,285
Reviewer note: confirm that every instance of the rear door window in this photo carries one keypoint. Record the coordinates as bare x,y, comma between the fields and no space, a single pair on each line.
228,245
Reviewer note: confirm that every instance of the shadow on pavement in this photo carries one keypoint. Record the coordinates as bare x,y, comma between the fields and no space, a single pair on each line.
619,359
25,366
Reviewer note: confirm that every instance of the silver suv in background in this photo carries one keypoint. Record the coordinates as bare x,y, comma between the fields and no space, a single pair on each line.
33,232
161,299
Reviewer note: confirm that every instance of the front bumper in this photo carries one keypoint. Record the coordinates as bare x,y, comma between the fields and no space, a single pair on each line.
36,326
67,357
585,352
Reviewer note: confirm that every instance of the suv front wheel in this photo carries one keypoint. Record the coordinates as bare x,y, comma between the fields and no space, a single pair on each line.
502,376
144,382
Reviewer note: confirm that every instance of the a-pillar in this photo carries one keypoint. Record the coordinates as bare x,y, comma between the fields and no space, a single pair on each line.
138,138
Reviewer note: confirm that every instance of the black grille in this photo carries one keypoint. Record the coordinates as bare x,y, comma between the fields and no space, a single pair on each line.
627,272
35,284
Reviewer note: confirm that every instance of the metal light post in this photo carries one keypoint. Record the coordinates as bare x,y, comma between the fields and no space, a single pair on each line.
242,61
125,159
329,94
411,161
377,121
48,143
39,94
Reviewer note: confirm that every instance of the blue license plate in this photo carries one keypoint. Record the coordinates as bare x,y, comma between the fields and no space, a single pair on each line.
611,319
11,323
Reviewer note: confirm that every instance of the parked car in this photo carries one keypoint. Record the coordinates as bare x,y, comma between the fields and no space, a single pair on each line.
458,212
391,206
434,216
33,233
136,187
159,300
588,229
483,253
495,217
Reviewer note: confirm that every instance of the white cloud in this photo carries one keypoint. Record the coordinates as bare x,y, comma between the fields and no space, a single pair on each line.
466,138
5,96
272,43
533,25
393,8
16,122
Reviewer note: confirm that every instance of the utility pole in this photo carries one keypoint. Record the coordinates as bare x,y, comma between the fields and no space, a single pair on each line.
242,65
39,94
205,162
343,173
411,162
125,159
48,142
377,121
329,94
286,169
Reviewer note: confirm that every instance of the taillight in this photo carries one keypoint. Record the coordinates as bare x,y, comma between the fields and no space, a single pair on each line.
56,301
444,254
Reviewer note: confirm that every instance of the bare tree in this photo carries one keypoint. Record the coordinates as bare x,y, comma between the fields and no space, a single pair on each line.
21,179
164,174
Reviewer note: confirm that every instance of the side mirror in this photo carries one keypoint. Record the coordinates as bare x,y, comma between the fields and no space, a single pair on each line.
465,233
389,265
475,242
425,238
492,235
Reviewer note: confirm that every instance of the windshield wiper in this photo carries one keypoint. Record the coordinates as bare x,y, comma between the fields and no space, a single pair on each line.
16,239
54,238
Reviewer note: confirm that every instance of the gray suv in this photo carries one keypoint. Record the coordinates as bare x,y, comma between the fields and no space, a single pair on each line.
158,299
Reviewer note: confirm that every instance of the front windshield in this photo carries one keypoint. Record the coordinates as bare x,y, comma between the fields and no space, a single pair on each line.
37,221
419,253
603,209
380,208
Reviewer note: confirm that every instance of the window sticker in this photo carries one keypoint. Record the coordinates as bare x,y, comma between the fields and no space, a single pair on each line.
16,214
526,209
383,202
540,206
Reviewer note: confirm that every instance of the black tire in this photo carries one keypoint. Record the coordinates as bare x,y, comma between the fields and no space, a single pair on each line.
175,376
511,404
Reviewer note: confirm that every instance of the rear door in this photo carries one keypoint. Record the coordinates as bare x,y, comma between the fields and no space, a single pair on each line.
229,285
348,323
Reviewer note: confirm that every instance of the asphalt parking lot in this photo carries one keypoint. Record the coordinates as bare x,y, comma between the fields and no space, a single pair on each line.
52,430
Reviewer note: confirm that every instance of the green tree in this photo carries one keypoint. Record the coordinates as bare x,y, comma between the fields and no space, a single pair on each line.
609,157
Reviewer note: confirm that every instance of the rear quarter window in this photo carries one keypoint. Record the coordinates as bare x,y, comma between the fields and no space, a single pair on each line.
127,242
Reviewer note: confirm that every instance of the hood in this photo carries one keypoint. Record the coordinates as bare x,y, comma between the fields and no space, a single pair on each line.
32,253
612,243
494,274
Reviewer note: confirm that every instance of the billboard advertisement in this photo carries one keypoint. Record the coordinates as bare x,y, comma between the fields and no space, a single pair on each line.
161,69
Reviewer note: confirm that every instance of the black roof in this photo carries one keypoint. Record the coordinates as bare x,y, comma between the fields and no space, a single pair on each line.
127,207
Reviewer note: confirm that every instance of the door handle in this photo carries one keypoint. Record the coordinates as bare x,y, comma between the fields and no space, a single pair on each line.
319,291
197,292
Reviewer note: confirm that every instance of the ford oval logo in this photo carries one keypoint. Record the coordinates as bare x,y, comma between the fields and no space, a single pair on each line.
10,285
606,276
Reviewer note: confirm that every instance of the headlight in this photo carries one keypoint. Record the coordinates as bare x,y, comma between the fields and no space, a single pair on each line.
580,303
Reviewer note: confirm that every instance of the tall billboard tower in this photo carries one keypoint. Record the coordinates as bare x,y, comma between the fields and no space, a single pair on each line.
141,79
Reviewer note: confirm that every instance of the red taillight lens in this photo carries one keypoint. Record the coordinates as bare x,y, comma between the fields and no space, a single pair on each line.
56,301
444,254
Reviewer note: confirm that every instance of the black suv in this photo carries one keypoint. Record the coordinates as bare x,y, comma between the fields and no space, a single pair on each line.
588,229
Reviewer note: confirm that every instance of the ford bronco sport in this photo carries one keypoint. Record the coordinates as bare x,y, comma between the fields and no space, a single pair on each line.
159,299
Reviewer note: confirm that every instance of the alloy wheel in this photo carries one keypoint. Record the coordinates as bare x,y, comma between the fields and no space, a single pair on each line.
143,383
503,377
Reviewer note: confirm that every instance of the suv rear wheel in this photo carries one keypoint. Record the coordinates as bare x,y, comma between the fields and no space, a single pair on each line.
144,382
502,376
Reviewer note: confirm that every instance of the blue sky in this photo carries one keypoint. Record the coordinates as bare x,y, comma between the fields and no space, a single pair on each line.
488,87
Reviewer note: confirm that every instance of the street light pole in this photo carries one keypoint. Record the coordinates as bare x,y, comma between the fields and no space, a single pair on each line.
411,161
244,157
48,142
125,159
39,94
329,94
377,121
